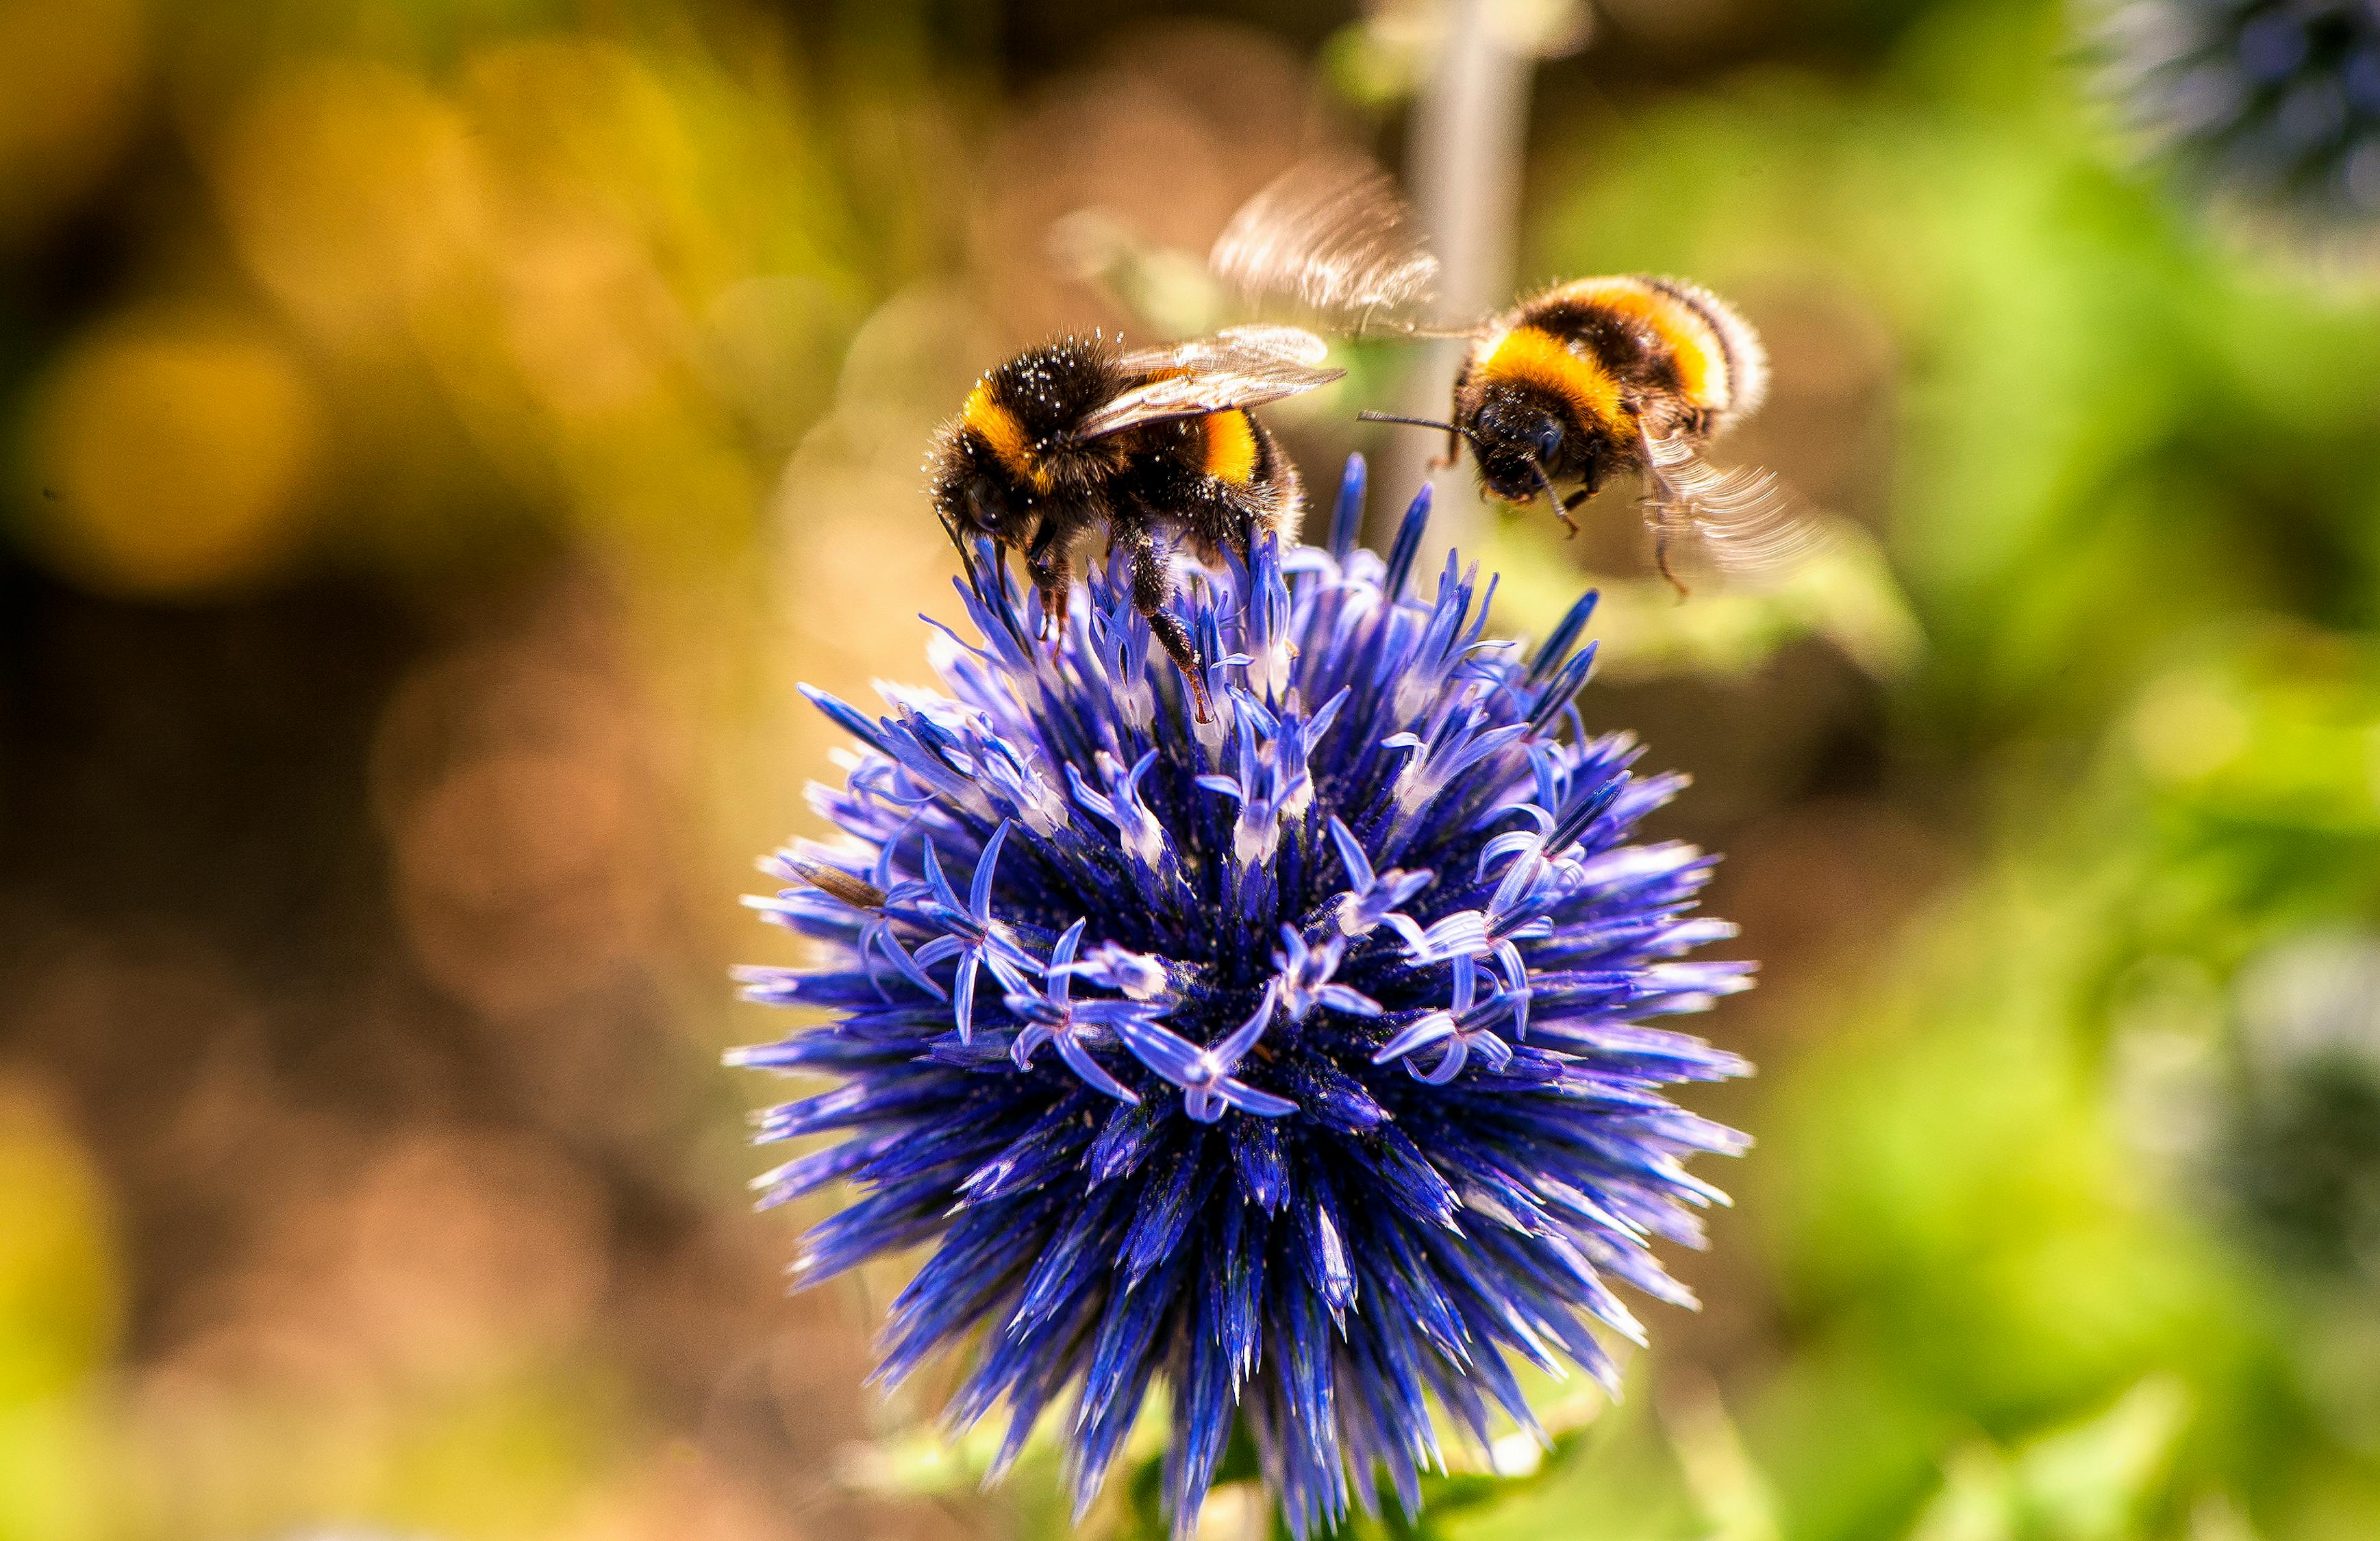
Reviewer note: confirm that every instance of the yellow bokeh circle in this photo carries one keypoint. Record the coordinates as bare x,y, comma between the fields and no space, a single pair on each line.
173,455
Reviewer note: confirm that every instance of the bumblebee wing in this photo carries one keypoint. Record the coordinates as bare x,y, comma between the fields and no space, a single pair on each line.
1236,347
1332,236
1741,522
1247,366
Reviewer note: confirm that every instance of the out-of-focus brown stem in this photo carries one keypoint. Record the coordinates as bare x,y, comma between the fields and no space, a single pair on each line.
1468,131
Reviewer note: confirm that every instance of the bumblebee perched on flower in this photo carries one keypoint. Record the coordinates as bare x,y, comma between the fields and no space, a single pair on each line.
1157,444
1591,377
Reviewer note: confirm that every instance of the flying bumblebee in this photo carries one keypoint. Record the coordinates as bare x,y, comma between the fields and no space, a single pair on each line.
1590,377
1157,444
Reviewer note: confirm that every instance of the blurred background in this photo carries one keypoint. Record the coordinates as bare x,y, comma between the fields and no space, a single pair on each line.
435,437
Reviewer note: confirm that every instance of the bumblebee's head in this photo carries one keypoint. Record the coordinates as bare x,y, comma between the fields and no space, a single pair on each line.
1524,444
976,493
992,505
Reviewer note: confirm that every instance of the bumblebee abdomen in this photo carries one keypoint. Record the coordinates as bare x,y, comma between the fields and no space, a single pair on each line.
1230,452
1711,357
1219,479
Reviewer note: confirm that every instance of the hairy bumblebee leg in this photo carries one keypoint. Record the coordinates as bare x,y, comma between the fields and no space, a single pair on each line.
1561,511
1175,638
1054,602
1453,456
1669,513
1661,533
1048,563
1152,585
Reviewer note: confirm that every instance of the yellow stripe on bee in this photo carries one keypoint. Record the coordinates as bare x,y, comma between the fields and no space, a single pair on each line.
1539,358
1689,338
1231,447
999,429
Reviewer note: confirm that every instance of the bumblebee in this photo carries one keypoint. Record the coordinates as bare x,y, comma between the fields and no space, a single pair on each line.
1590,377
1158,446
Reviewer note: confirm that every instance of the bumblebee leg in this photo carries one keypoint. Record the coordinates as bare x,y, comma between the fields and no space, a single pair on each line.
1454,415
1053,612
1663,529
1662,561
1050,563
1671,514
1446,462
1152,585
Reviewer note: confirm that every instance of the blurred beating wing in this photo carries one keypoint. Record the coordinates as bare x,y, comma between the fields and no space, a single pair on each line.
1238,345
1743,522
1246,366
1333,236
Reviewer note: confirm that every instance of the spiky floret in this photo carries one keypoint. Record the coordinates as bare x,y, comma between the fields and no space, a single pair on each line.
1294,1061
2274,102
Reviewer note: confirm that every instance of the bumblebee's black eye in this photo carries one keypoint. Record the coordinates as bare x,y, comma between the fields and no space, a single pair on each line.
986,505
1548,439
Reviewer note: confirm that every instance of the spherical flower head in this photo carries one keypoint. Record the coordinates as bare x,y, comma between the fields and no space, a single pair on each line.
1294,1060
2275,104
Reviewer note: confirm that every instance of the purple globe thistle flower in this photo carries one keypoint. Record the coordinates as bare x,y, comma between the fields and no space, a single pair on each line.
2275,103
1293,1061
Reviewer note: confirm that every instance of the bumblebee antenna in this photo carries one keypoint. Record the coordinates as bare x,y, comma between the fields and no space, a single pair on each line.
970,560
1418,422
987,586
951,529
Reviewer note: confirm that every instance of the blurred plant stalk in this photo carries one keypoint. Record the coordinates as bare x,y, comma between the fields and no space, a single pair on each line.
1470,129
